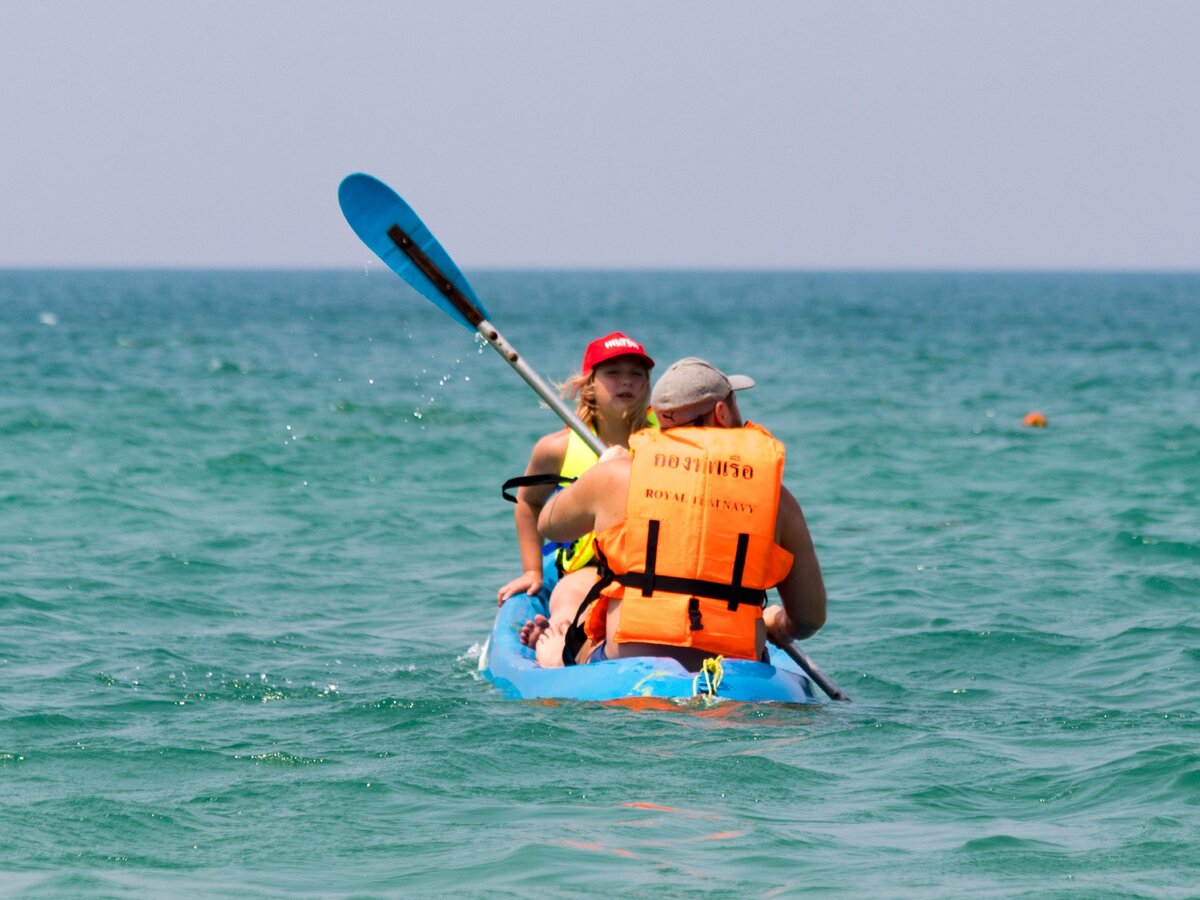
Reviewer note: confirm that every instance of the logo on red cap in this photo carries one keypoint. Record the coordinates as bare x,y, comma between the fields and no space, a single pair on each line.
611,346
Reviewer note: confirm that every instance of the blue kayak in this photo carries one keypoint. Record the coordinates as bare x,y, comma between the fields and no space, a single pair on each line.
511,667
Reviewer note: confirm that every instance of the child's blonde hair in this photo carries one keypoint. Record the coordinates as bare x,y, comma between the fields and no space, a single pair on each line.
581,387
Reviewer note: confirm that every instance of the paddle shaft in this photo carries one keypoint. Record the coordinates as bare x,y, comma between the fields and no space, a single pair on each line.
492,335
810,669
489,333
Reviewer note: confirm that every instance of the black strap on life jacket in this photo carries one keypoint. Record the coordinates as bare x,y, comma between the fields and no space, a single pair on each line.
733,593
739,564
530,481
650,581
576,636
712,590
650,576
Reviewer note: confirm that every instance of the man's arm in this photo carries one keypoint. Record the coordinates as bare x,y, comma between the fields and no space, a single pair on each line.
803,591
594,502
569,513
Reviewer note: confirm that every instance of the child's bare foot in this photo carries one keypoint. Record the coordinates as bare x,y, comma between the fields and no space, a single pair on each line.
550,644
534,629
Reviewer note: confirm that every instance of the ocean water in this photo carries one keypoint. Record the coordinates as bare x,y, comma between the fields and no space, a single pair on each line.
251,534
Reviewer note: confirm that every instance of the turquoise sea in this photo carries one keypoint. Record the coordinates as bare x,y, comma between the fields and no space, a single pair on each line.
251,533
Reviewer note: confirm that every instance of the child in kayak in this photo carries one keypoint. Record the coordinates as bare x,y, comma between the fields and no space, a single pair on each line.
612,390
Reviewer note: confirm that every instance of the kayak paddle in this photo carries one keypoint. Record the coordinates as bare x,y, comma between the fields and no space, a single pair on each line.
396,234
800,658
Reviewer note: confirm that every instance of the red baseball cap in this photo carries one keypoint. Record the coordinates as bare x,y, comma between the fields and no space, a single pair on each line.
611,346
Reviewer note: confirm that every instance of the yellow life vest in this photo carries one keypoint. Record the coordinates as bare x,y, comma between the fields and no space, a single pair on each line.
577,460
696,551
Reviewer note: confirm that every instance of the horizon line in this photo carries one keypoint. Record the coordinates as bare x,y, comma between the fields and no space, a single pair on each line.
631,270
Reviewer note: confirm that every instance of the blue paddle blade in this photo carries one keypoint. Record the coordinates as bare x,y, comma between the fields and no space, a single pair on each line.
382,219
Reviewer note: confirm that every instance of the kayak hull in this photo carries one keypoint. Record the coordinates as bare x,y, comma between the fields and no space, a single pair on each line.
512,668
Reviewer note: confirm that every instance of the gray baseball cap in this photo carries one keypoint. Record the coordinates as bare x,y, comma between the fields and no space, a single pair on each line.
690,388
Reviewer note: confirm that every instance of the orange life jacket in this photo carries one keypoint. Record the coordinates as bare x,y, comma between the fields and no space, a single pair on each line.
693,557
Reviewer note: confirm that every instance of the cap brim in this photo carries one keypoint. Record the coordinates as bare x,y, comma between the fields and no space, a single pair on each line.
624,354
740,382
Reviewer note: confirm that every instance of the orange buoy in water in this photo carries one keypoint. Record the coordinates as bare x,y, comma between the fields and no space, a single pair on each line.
1035,420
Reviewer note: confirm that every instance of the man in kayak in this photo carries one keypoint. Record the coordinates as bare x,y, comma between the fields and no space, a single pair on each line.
692,525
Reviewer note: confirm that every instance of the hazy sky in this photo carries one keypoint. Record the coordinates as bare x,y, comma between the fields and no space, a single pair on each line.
660,133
